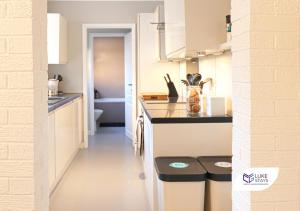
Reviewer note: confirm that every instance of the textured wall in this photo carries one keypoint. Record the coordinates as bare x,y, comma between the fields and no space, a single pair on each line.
78,13
266,99
23,106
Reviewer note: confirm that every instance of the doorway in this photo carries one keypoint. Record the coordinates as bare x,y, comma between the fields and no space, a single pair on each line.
126,33
109,81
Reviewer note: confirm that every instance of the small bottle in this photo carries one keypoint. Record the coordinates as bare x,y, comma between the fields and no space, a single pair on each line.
228,27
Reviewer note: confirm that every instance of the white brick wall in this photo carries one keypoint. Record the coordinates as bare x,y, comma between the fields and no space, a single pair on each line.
21,186
241,96
267,118
19,80
23,106
20,44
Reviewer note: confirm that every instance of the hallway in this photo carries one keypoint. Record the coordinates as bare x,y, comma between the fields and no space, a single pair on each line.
104,177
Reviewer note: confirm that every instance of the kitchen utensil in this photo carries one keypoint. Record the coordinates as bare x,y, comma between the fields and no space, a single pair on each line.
172,89
196,79
189,78
60,78
169,77
201,84
185,82
166,79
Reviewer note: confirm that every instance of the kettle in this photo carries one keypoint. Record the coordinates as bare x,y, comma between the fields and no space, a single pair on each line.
53,87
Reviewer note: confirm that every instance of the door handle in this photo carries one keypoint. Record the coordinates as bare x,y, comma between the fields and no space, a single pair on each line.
129,84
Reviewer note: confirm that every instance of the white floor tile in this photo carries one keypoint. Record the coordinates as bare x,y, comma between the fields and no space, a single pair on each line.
104,177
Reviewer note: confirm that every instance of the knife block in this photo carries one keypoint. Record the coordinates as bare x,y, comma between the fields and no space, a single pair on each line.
172,90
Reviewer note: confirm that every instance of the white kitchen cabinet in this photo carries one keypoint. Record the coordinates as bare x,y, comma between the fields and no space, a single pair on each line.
78,123
65,126
159,29
64,137
151,72
193,26
57,39
181,139
51,147
148,161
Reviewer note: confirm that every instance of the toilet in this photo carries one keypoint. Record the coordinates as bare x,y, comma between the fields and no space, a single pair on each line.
97,114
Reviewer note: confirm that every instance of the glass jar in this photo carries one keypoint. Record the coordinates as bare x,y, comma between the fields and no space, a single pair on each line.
193,104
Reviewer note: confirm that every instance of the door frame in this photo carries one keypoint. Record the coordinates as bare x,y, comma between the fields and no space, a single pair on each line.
88,78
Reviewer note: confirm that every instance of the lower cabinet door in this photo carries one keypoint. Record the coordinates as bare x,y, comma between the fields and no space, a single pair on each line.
51,147
148,160
64,136
78,133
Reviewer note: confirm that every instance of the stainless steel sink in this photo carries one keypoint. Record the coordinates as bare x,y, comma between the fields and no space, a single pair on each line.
55,99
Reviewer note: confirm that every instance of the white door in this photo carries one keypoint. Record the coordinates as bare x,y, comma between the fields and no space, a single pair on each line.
90,81
129,86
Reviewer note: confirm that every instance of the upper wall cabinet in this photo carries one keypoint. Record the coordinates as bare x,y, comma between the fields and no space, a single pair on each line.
193,26
57,39
159,24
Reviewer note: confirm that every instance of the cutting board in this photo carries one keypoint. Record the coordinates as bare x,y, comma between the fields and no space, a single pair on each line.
154,96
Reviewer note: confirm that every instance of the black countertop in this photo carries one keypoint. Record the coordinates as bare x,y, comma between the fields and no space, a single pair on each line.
164,112
68,98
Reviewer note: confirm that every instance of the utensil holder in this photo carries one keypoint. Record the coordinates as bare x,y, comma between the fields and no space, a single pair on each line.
193,101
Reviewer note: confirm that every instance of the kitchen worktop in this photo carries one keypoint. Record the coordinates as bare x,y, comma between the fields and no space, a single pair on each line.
164,112
68,98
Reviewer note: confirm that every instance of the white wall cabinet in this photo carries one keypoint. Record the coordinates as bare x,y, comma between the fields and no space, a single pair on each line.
151,72
57,39
192,26
65,137
159,29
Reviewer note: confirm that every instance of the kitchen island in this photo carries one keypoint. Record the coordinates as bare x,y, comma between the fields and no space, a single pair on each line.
170,131
166,112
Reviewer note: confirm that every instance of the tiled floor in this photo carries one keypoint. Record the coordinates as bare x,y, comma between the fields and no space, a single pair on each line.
104,177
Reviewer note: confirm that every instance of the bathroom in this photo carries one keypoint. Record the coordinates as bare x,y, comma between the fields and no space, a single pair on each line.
109,81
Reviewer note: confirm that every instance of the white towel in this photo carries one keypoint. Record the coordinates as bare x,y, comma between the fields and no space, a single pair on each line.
138,143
